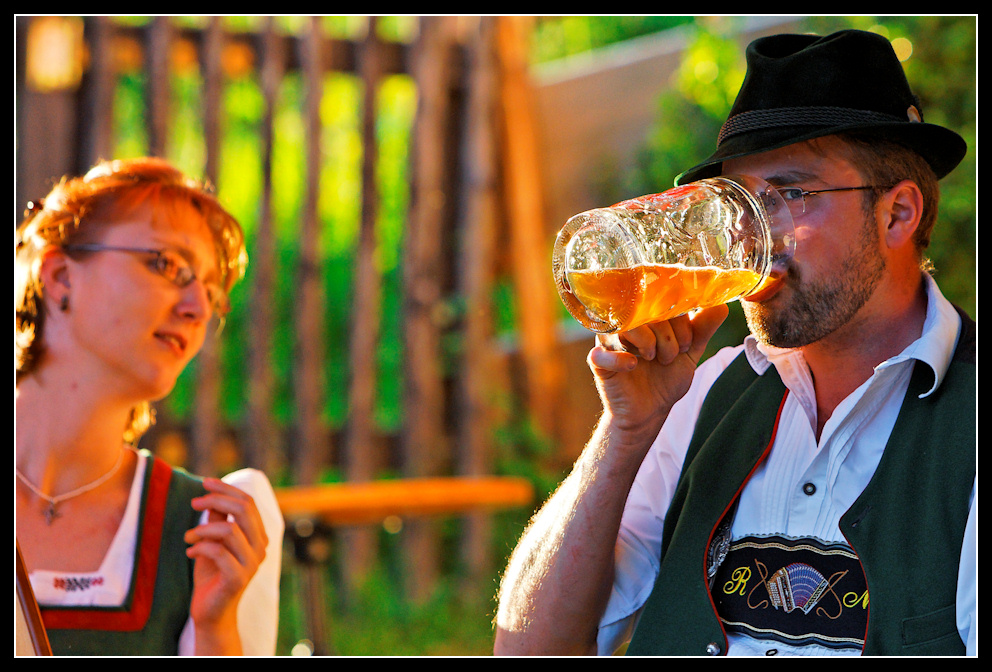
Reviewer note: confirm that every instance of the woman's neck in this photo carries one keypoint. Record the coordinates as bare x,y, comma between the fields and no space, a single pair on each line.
65,437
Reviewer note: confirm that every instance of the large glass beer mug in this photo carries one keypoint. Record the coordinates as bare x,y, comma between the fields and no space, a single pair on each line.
655,257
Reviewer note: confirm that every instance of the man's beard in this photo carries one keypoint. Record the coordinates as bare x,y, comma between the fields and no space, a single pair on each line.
816,308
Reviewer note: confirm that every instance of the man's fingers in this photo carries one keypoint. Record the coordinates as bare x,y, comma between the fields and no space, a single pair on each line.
704,325
661,341
606,362
642,340
672,338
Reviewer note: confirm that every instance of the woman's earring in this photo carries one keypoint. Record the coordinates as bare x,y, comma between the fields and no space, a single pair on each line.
64,303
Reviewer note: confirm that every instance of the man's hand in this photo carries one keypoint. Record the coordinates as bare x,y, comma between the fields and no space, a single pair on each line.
641,373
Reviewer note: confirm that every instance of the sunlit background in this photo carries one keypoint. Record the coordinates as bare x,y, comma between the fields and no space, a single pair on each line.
400,194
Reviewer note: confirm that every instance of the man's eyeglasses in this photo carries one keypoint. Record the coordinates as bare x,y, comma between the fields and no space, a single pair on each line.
795,197
173,267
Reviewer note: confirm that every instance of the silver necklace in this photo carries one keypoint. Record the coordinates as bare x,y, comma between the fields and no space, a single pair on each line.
51,511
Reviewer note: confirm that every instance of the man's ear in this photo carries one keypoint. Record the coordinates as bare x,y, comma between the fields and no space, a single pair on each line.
902,209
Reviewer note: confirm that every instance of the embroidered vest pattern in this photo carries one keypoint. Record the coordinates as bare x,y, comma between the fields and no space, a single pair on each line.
793,591
931,450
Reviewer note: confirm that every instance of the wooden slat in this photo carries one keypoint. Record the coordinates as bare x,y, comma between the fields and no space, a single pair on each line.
359,454
212,75
364,327
374,501
311,444
423,264
206,422
339,55
157,52
97,100
310,448
425,442
530,248
479,384
262,445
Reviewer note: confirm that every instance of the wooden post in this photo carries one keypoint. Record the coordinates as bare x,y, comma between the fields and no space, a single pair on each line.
311,438
157,50
206,414
477,378
97,100
359,455
530,250
262,444
424,439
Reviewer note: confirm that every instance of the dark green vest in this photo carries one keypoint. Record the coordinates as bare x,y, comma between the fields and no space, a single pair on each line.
157,606
906,527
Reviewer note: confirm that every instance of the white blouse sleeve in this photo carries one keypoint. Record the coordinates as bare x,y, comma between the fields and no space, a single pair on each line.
258,611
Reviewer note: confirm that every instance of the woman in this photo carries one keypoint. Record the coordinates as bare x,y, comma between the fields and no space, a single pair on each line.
118,275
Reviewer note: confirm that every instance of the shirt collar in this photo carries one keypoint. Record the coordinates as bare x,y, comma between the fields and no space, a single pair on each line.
935,346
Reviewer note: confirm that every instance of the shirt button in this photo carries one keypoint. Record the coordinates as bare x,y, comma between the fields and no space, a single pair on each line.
771,652
809,488
713,649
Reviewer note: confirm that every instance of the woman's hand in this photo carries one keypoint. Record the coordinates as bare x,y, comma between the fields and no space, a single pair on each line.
227,549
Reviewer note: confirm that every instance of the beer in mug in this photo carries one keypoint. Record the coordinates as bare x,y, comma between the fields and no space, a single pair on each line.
655,257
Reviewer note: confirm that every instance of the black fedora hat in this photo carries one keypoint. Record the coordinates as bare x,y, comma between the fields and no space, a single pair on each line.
800,87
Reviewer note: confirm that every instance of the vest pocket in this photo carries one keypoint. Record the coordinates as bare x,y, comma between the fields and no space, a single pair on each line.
929,628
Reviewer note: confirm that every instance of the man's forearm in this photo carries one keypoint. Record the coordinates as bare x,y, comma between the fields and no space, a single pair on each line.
558,581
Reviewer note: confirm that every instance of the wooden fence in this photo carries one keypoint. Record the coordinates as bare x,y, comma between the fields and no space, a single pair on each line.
475,214
495,165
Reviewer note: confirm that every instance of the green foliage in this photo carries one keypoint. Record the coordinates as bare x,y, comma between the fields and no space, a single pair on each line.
560,36
339,208
942,67
383,623
711,72
377,618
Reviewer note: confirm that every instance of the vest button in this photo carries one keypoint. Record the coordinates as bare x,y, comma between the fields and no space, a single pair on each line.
713,649
809,488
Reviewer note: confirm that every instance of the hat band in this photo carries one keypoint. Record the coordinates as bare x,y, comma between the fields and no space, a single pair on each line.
755,120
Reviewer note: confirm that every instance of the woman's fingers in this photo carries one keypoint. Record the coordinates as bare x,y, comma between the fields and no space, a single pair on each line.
226,535
233,527
223,500
233,557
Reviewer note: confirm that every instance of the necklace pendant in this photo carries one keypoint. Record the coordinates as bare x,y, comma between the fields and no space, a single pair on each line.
50,513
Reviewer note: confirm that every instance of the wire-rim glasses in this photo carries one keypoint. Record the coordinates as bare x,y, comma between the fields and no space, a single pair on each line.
171,266
795,197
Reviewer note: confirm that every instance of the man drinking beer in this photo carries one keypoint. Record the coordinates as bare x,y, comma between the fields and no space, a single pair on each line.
810,491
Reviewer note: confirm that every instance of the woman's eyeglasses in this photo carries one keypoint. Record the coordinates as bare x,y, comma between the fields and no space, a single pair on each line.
173,267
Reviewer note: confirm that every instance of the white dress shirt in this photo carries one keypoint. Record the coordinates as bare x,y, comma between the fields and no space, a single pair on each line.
839,465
